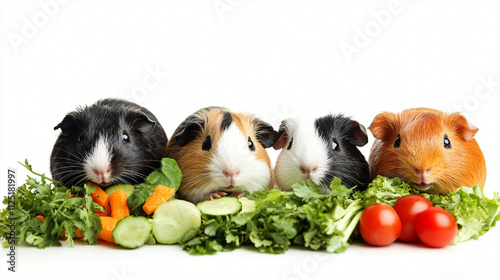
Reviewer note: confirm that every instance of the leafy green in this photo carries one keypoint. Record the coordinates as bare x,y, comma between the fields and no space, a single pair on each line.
281,219
168,175
384,190
64,210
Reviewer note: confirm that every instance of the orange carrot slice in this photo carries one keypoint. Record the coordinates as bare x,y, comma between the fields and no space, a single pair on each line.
108,225
159,195
102,199
118,202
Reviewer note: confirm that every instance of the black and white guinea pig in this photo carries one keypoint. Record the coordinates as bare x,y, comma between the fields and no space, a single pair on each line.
110,142
220,153
320,150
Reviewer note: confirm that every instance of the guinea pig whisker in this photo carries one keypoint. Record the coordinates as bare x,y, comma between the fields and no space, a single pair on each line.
343,176
77,155
76,161
74,165
74,179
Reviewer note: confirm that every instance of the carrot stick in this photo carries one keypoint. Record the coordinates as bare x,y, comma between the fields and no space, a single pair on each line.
159,195
118,202
101,198
108,225
41,218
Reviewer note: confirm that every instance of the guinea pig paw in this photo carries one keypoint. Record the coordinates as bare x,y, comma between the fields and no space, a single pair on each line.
215,195
238,194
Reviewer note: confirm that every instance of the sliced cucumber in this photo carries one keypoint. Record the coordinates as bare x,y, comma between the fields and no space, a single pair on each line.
247,205
128,189
132,232
173,219
226,205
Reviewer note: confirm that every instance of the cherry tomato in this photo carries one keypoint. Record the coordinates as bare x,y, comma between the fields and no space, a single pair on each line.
380,224
408,207
436,227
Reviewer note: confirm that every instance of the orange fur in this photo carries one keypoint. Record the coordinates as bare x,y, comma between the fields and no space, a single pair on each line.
421,131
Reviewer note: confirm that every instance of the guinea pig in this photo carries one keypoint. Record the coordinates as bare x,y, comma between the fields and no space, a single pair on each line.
110,142
433,151
320,150
220,153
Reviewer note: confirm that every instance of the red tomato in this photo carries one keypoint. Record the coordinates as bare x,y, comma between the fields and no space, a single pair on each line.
380,224
408,207
436,227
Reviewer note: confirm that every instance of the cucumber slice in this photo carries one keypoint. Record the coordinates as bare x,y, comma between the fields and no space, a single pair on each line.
132,232
226,205
128,189
247,205
173,219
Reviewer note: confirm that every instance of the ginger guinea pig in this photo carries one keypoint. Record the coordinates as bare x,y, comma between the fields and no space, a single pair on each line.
433,151
220,152
320,150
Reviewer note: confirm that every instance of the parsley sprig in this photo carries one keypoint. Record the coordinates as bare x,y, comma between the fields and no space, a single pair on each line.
64,210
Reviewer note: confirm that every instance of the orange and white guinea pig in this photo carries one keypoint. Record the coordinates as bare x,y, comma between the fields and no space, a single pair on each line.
222,153
433,151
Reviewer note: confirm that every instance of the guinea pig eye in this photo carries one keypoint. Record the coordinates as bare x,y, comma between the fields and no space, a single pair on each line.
447,143
207,144
335,144
125,138
397,143
80,138
290,144
251,146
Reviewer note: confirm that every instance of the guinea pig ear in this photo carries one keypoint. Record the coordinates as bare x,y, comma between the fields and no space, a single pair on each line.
188,130
265,133
357,134
143,122
381,124
464,128
67,125
282,136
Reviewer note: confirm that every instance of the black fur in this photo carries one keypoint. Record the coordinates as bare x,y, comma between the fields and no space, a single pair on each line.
188,130
266,134
130,162
227,120
346,162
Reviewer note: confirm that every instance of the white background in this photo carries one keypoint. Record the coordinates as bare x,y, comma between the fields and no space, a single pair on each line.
271,58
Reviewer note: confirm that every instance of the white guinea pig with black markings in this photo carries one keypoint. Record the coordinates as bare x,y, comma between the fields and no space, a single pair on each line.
320,150
221,153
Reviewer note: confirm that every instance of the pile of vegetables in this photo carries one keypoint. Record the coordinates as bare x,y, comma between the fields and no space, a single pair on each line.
42,213
307,218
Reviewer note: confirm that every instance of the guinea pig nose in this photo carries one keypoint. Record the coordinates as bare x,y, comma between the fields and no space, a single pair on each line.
308,170
231,173
102,171
427,171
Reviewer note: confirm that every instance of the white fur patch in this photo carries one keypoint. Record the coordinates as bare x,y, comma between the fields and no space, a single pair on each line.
99,160
308,151
231,153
